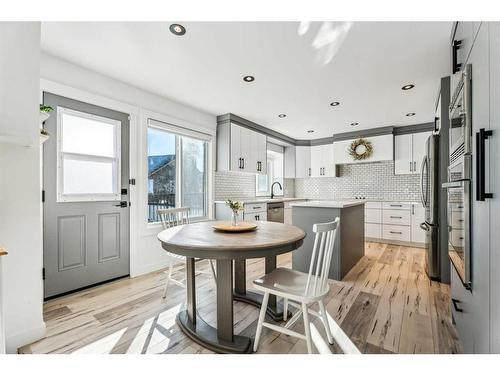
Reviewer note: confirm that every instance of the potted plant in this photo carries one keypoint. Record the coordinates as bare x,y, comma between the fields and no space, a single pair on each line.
235,207
45,112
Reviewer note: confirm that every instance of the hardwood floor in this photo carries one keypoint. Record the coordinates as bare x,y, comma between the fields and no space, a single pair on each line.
385,304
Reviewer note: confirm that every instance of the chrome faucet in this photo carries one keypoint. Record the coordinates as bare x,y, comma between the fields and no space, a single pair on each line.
272,188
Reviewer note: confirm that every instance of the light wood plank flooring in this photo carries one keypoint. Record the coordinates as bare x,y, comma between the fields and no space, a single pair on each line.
386,304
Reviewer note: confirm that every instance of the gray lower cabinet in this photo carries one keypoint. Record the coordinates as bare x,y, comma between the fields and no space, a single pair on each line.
461,311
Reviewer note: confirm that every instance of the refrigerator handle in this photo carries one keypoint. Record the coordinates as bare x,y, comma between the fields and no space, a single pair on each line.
422,198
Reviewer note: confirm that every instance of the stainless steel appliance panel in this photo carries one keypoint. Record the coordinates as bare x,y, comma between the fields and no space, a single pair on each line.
276,212
429,193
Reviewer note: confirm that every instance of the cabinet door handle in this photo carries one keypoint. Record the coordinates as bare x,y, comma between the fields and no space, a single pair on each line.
414,166
395,232
455,305
396,205
309,172
411,170
454,55
481,138
396,217
242,163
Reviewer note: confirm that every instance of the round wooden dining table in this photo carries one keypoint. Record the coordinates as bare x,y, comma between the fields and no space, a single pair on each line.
201,241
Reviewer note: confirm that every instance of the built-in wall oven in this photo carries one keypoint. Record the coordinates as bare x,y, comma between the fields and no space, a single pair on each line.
459,177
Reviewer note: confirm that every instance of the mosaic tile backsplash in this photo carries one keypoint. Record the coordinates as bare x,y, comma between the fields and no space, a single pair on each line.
242,185
367,180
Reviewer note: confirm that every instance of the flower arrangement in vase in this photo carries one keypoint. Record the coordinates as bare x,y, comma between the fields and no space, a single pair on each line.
235,207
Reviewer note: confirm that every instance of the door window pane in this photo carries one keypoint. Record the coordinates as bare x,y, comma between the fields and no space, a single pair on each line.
161,171
87,135
194,185
89,157
88,176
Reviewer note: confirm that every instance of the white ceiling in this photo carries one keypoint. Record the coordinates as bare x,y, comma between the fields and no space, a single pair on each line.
204,69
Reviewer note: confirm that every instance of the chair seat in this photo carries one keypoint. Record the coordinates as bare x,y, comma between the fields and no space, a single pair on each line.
288,283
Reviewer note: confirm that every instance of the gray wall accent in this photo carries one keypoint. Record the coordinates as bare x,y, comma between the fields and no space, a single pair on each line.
369,180
396,130
276,148
411,129
363,133
230,117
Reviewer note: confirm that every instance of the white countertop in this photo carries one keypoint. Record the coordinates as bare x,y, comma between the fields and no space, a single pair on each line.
330,204
262,200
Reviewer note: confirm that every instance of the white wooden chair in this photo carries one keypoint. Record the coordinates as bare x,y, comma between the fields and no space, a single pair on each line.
304,288
172,217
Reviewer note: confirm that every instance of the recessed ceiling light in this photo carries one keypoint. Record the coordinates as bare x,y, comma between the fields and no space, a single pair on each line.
407,87
310,131
281,115
354,123
177,29
334,104
410,114
248,78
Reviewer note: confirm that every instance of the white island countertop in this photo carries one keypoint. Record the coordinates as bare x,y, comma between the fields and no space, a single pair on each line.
330,204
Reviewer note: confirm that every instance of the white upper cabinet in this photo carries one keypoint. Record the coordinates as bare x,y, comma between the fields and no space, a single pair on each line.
382,150
409,150
403,156
328,161
241,149
322,162
316,161
419,143
302,162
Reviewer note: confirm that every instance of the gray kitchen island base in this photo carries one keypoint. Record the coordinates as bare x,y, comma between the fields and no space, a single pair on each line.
349,244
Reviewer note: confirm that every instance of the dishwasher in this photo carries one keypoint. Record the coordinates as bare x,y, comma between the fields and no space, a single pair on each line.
276,212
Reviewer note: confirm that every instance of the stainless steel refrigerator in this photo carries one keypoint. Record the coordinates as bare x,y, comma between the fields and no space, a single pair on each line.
430,195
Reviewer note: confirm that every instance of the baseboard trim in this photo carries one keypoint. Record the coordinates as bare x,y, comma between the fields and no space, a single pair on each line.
20,339
395,242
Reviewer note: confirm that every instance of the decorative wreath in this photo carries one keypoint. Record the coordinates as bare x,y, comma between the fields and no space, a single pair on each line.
361,149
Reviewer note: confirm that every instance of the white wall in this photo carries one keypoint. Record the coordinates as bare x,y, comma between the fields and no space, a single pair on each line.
82,84
20,214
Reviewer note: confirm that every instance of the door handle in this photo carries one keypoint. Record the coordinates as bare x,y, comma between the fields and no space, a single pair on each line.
455,65
481,138
424,226
455,305
122,204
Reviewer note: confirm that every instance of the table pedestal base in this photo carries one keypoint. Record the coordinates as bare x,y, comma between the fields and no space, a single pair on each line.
205,335
255,299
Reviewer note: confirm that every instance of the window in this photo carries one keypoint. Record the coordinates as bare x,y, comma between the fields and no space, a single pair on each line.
177,171
263,182
88,157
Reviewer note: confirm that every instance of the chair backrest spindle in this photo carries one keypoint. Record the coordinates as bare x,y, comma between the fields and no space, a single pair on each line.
321,257
172,217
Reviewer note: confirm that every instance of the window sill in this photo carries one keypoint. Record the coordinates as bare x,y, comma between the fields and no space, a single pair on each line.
152,229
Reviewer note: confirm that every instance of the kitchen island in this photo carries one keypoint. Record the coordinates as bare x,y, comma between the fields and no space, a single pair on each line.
349,245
